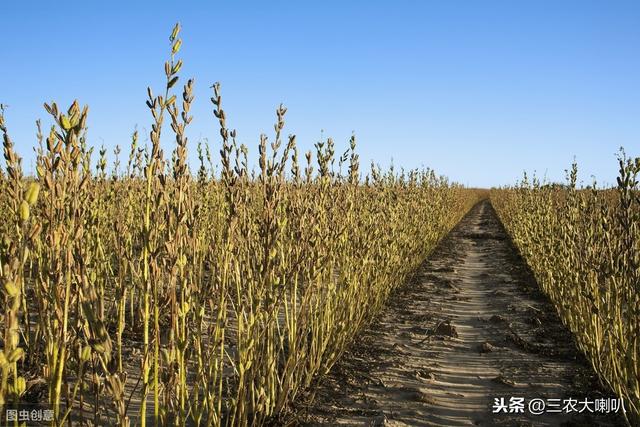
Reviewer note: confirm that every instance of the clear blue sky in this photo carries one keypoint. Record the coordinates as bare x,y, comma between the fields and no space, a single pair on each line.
479,91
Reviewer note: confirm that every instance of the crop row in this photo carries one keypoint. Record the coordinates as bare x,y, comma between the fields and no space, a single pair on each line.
583,246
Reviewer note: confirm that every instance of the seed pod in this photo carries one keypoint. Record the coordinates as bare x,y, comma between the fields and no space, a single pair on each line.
65,123
21,385
177,67
100,347
31,195
167,356
176,30
115,385
74,119
23,211
86,353
35,230
15,355
12,289
176,46
25,255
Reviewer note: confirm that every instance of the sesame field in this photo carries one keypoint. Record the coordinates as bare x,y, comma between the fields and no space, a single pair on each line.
141,289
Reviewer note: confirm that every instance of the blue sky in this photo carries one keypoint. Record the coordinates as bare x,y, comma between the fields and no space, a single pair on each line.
479,91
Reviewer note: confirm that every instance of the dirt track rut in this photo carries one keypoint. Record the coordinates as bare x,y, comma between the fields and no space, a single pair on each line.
471,327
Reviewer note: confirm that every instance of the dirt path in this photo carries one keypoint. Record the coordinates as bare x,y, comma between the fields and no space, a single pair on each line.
471,327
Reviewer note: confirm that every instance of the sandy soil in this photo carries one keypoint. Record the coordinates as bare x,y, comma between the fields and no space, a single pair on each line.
471,327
